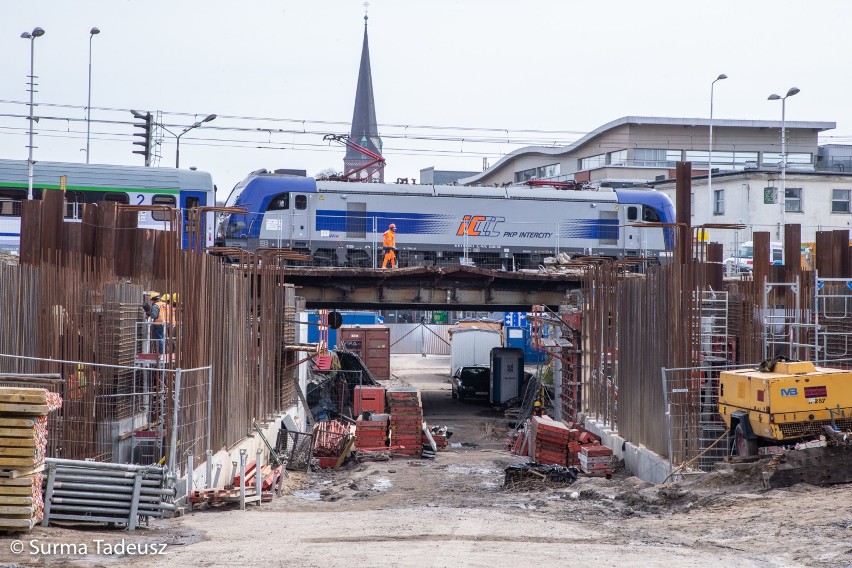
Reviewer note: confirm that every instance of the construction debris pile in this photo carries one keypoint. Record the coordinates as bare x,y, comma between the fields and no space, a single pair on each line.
531,476
333,442
251,482
548,442
331,392
23,440
389,424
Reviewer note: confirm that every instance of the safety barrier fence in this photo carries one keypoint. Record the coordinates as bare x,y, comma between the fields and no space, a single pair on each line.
112,413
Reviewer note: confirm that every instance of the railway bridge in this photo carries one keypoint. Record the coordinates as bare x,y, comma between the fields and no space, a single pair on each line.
459,287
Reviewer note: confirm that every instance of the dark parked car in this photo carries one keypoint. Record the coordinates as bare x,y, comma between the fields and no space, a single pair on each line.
472,382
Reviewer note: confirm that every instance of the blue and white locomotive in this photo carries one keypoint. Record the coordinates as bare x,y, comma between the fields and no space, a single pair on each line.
341,223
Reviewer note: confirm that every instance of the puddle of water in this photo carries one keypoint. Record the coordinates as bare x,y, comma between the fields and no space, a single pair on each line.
307,495
382,484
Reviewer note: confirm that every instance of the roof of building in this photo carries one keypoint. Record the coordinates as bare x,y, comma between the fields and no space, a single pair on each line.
650,120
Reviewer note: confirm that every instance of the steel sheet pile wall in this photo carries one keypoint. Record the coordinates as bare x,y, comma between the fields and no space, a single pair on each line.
653,332
77,297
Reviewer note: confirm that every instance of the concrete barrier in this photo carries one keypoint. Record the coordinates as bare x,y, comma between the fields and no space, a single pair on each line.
639,460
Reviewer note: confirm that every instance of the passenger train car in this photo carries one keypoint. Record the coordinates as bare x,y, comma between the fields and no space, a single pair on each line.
341,223
86,183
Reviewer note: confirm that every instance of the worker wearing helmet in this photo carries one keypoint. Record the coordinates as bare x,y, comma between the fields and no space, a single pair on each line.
158,314
389,246
538,409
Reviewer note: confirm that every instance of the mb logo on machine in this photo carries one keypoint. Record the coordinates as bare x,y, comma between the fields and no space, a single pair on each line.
479,226
792,391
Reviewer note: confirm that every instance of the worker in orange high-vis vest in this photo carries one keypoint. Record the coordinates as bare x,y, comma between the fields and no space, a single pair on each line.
389,246
77,383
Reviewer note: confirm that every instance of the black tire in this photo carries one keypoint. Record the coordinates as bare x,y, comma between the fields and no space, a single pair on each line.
461,396
453,392
743,446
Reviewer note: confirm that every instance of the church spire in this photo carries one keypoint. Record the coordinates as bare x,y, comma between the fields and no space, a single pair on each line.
365,130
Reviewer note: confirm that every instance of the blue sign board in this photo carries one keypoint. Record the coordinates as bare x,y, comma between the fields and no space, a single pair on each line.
517,319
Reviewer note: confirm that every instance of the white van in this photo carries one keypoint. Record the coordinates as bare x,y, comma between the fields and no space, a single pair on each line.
743,259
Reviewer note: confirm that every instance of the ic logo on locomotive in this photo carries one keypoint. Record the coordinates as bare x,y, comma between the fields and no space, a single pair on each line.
479,226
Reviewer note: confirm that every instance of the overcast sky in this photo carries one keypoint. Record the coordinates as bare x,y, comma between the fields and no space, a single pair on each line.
446,73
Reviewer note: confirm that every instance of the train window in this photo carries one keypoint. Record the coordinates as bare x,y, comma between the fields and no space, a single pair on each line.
280,202
168,201
632,213
117,197
356,220
301,202
74,204
10,202
650,214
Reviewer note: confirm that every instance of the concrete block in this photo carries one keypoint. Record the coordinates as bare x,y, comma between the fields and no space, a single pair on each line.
639,460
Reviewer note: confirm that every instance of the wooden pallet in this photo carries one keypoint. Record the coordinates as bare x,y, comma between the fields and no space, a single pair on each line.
16,473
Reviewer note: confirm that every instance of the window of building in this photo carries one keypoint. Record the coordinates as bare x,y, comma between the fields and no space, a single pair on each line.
656,157
301,202
718,202
280,202
793,199
793,159
840,200
168,201
541,172
617,158
593,162
549,171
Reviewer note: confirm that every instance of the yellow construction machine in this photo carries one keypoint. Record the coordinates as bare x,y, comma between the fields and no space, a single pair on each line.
784,402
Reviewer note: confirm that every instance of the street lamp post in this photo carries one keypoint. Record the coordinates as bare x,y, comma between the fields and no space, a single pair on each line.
185,130
783,193
92,33
37,32
710,154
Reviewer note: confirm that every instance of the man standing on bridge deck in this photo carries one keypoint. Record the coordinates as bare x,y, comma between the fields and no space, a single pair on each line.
389,246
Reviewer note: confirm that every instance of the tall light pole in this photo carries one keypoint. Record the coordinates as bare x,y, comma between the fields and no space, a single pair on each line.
773,97
208,118
37,32
710,154
92,33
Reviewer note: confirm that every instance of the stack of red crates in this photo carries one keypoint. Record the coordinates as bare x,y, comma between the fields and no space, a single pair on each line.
596,460
549,441
406,420
573,447
372,434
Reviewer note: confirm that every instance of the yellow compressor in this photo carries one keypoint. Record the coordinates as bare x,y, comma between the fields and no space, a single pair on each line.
782,402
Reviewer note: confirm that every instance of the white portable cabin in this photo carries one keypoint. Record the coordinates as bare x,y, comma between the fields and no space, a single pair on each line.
471,346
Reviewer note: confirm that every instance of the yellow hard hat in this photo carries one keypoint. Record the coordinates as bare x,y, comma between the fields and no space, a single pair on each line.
174,298
165,297
154,295
537,403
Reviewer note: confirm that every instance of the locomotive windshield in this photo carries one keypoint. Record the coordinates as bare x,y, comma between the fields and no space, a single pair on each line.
650,215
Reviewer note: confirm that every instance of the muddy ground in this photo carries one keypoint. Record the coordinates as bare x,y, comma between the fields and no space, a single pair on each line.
453,511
